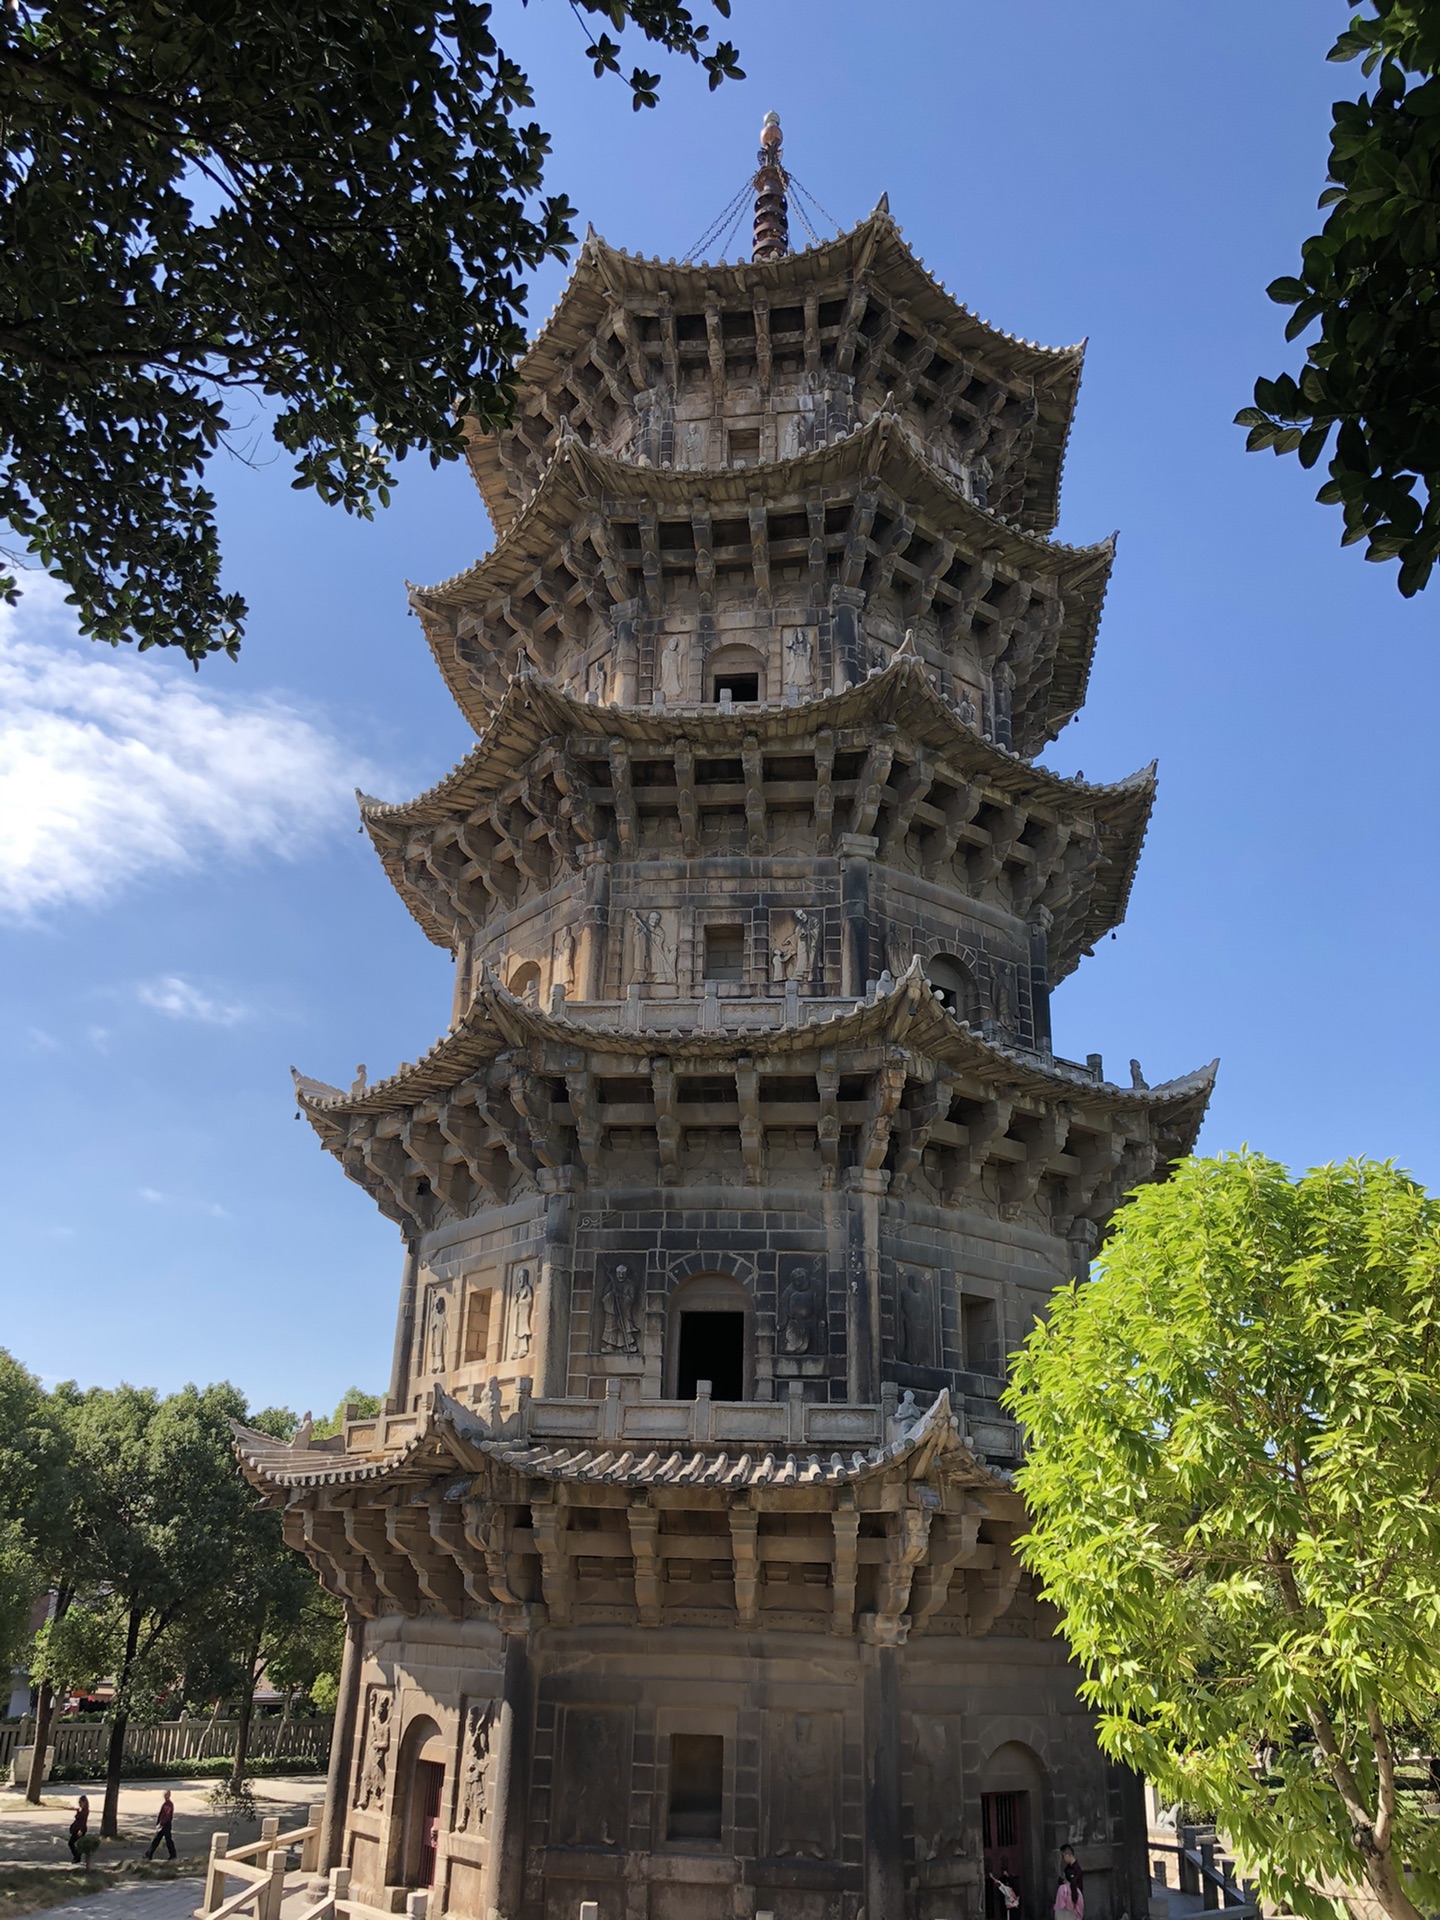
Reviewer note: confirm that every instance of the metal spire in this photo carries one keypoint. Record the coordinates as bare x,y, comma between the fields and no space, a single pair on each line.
772,223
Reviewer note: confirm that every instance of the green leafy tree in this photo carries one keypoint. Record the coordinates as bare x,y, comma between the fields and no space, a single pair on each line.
1233,1467
159,1511
32,1470
323,214
365,1405
36,1536
1372,373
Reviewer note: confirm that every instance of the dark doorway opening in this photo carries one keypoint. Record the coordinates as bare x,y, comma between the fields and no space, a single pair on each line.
712,1347
429,1781
739,686
1002,1817
697,1786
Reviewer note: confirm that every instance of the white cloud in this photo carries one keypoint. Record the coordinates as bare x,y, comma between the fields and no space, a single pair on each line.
153,1197
115,768
180,999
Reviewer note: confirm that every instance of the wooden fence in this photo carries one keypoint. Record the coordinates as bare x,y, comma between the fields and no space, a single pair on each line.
85,1743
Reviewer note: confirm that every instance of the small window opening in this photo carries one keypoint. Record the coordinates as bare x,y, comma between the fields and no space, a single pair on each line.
712,1347
725,953
477,1323
697,1786
739,686
979,1330
745,447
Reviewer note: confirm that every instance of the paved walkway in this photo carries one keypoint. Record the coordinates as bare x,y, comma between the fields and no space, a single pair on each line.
35,1836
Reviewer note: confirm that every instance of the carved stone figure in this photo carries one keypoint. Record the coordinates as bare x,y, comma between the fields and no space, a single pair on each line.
672,667
792,953
654,950
799,1308
802,1789
562,964
799,663
916,1327
471,1801
374,1770
617,1294
437,1341
935,1763
522,1313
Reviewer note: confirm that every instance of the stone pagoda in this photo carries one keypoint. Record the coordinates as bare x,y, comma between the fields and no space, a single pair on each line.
679,1565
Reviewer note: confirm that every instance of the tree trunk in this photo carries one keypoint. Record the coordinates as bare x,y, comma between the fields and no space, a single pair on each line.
110,1816
1383,1878
247,1704
44,1708
44,1714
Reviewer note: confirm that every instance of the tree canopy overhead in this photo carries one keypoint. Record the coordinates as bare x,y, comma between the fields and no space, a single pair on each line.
1369,278
325,212
1233,1466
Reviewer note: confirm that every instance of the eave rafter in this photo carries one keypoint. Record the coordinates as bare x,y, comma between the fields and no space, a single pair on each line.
1028,606
469,1516
519,812
612,297
510,1097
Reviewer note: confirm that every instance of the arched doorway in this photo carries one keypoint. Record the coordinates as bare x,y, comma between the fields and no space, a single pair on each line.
524,983
1012,1814
953,983
738,671
710,1337
421,1778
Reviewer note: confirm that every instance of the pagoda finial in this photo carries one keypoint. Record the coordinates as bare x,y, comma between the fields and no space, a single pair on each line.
772,220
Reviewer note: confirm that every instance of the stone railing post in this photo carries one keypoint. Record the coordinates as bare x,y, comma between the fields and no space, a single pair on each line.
214,1876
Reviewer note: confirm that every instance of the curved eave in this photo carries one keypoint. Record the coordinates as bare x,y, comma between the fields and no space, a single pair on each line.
909,1015
578,477
604,273
452,1437
901,694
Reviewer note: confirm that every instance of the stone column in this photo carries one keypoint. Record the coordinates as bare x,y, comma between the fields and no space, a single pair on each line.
864,1190
404,1333
342,1747
857,855
550,1358
884,1870
1039,937
505,1861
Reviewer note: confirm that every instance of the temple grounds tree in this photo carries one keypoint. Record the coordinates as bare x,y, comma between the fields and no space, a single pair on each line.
161,1511
1372,375
1234,1461
314,216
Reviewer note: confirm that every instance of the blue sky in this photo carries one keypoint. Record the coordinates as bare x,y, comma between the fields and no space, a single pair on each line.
186,907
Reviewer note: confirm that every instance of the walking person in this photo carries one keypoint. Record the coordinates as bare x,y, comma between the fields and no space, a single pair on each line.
79,1825
164,1820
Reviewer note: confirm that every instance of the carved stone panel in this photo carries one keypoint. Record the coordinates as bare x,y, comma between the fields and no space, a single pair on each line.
438,1337
374,1779
472,1775
591,1801
651,936
617,1305
800,1316
915,1316
796,946
936,1786
802,1785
